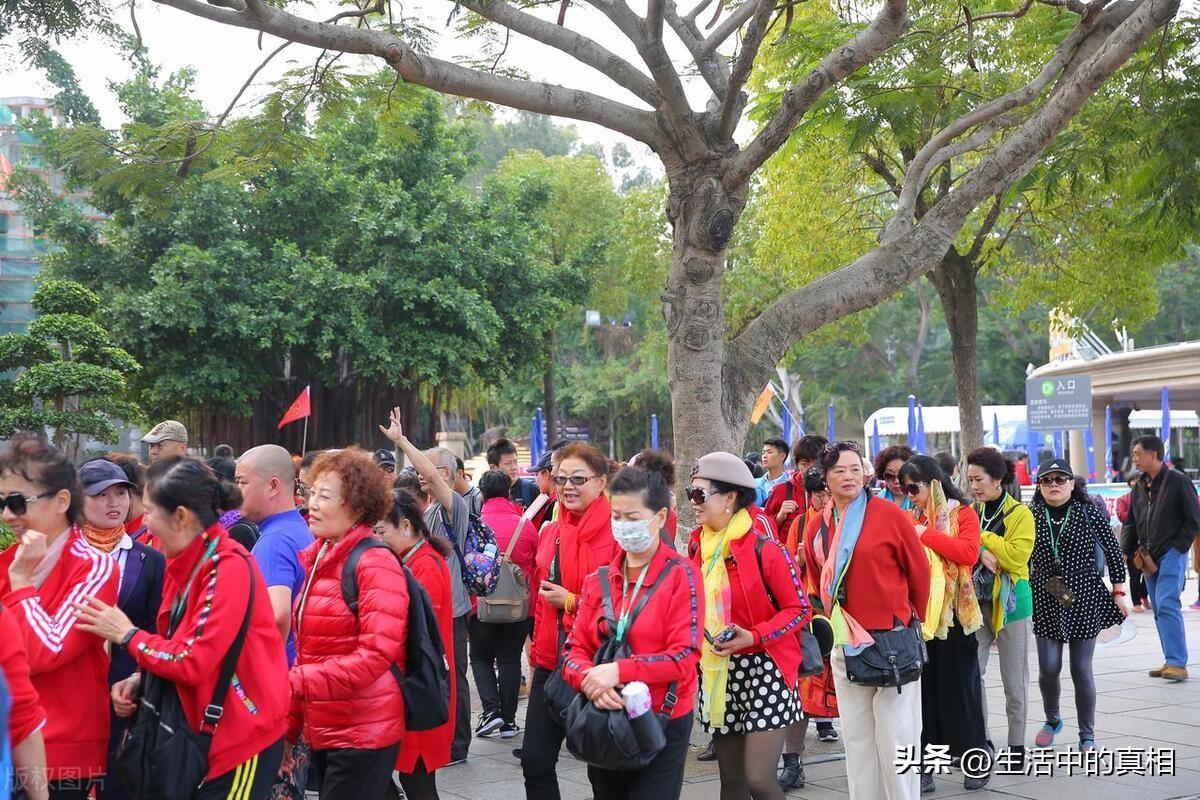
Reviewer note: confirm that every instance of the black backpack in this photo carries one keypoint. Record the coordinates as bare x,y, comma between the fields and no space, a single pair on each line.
245,533
426,684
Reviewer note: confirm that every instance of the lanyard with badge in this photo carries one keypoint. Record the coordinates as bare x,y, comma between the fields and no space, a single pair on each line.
1056,586
179,604
627,600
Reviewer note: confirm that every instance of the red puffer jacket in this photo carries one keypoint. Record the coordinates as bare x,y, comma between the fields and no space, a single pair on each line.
343,692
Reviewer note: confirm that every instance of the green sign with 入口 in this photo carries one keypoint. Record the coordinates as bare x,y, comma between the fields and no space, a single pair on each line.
1062,403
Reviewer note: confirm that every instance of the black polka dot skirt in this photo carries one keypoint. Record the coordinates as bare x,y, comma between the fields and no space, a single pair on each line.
756,697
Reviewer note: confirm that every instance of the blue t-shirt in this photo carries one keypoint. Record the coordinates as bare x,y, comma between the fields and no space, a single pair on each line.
277,552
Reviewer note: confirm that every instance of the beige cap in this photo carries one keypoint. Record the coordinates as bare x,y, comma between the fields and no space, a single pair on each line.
726,468
168,430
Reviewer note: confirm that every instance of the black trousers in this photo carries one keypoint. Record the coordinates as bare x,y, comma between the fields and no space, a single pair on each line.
497,647
951,693
347,774
543,739
462,710
250,780
661,779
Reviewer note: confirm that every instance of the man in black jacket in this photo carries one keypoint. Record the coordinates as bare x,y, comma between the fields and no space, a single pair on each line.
1165,520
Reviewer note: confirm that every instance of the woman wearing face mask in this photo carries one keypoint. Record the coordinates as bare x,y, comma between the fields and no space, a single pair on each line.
663,641
872,576
403,530
753,606
42,579
1071,604
1003,574
569,549
951,708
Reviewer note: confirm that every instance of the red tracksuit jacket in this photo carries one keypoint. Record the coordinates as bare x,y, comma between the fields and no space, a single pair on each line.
69,668
664,639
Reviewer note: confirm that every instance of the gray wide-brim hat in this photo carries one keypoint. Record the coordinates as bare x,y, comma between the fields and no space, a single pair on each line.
726,468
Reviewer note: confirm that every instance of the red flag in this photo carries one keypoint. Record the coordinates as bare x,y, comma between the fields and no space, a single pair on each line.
299,409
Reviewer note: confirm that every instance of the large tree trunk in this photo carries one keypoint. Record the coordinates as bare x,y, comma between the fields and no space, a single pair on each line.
954,279
549,388
707,398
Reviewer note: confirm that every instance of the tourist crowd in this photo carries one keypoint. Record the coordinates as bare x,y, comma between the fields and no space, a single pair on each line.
254,627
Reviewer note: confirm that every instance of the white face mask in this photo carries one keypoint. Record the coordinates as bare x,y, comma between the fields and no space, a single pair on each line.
633,536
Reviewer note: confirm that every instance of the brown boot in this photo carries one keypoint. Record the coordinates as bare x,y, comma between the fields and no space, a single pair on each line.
1158,671
1174,674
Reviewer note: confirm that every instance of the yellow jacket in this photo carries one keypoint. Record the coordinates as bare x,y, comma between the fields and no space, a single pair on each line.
1012,551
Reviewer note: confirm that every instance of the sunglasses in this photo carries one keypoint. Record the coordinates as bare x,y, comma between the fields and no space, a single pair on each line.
837,447
913,489
18,503
574,480
698,495
390,468
891,476
1054,480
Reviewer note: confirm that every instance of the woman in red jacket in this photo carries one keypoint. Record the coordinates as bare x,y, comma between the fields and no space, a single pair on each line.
403,530
869,563
208,583
344,694
663,640
26,717
753,608
41,582
951,690
570,548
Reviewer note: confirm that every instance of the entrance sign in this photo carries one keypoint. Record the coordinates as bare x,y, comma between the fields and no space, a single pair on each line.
1061,403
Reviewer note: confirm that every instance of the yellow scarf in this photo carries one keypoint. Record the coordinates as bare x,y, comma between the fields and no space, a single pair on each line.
103,539
959,598
718,612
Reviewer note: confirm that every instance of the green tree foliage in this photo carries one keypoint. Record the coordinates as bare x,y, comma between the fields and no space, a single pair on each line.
365,265
68,376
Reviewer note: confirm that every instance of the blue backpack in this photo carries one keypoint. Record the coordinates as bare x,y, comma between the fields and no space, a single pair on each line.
479,559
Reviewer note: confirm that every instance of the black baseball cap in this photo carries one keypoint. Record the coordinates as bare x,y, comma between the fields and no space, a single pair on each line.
99,474
545,464
385,457
1051,465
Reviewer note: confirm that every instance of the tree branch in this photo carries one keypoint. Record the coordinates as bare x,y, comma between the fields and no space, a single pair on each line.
938,146
731,109
985,228
878,36
904,257
434,73
581,48
730,26
695,13
713,69
674,99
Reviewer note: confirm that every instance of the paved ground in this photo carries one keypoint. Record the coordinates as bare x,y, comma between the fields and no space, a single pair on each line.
1134,711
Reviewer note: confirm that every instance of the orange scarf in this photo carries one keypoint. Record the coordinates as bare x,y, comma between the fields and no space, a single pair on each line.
103,539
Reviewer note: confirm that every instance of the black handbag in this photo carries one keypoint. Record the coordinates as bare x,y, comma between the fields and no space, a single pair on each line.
610,739
896,657
161,756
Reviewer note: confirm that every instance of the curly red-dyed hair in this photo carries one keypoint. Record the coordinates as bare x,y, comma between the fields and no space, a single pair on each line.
366,489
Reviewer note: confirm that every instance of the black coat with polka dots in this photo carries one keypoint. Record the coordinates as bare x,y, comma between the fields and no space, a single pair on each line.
1094,609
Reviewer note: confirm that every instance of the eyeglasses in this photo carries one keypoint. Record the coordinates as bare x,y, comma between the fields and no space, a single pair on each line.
914,489
302,489
1054,480
389,468
18,503
698,495
574,480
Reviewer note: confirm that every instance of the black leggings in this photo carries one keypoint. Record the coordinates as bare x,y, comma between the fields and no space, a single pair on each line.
418,784
543,739
748,764
1050,658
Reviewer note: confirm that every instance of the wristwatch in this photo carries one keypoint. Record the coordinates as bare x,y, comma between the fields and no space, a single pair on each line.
129,634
